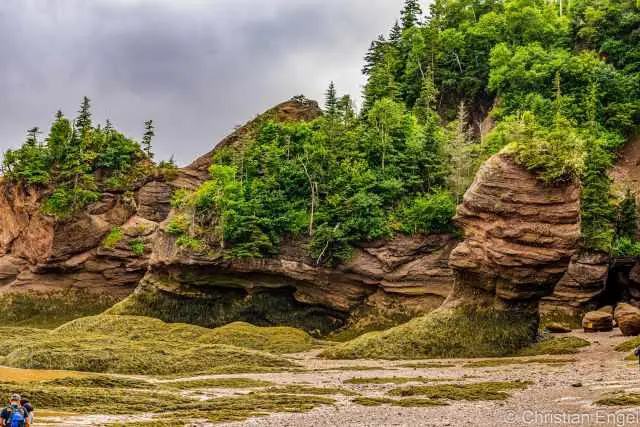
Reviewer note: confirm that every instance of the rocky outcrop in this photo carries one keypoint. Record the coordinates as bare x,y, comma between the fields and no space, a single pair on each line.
628,319
43,255
397,279
296,109
519,235
581,288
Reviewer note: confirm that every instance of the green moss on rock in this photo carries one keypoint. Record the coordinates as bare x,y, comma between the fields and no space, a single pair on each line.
446,333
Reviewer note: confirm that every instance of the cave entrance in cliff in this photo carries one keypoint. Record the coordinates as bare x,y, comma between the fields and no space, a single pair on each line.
617,286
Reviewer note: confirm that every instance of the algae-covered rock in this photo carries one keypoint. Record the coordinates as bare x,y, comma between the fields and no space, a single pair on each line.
557,328
243,335
446,333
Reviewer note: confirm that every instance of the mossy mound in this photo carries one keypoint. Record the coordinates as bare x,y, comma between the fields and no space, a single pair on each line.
271,339
447,333
142,345
91,353
244,335
18,334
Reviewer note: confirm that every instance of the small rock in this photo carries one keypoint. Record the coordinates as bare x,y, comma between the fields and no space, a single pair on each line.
628,318
597,321
557,328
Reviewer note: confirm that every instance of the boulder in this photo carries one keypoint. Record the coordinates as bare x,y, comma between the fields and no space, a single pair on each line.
597,321
628,318
606,309
557,328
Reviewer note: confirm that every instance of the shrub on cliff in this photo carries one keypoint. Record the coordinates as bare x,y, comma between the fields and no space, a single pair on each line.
77,160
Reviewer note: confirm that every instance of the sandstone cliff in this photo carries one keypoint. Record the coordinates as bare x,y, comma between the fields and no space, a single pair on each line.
383,284
519,237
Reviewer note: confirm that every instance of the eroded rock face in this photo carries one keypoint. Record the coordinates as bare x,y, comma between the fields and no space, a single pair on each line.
519,236
581,287
400,278
39,254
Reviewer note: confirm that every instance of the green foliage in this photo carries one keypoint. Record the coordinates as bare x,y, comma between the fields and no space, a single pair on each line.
627,218
113,238
335,182
137,247
78,160
178,225
626,246
428,213
556,154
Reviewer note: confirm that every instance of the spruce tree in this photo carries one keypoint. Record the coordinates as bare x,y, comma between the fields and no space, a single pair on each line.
374,55
83,121
331,101
32,136
395,36
410,13
148,136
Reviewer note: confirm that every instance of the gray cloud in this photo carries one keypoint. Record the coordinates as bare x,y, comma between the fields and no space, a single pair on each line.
196,67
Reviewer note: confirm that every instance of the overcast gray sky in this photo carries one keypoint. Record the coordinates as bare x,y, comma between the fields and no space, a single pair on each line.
196,67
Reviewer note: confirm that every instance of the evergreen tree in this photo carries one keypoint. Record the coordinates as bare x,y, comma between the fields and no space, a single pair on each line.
83,125
374,55
108,126
425,106
331,101
346,110
411,13
32,136
460,144
148,136
395,36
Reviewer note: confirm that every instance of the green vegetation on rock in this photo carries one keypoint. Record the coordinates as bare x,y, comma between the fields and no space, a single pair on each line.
443,334
51,309
239,334
77,161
